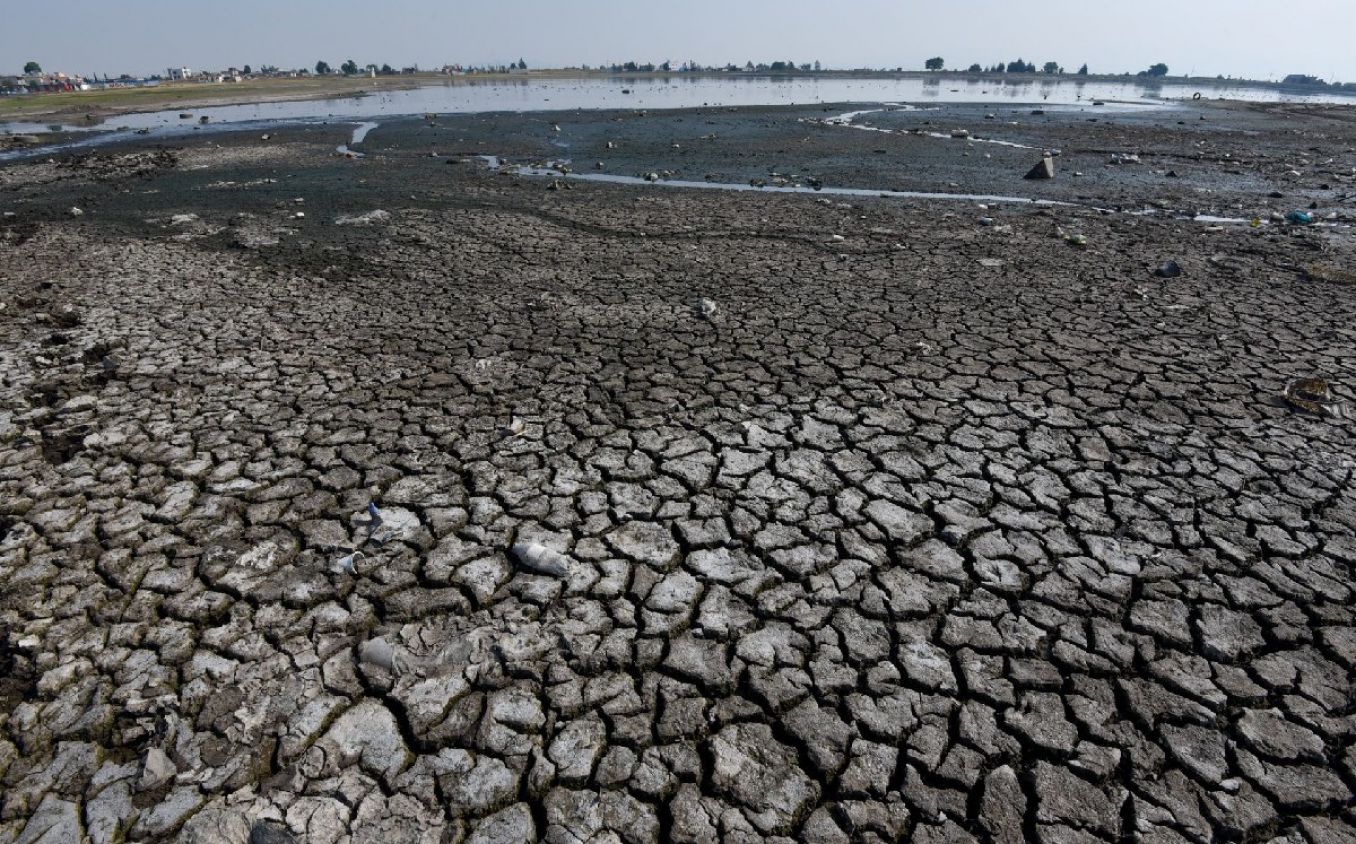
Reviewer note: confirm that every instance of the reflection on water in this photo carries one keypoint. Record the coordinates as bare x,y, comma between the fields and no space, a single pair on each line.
679,91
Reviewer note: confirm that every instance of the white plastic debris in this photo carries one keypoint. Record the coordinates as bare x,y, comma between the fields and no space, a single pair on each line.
707,307
539,559
76,212
348,564
377,216
382,654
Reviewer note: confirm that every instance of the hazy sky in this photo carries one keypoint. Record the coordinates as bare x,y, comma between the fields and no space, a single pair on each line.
1257,38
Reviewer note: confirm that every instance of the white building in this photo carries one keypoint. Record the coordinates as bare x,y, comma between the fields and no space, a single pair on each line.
179,74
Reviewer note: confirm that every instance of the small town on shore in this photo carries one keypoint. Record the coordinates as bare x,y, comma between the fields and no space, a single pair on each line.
35,80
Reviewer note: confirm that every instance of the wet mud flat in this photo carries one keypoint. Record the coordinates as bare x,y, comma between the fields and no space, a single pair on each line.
397,498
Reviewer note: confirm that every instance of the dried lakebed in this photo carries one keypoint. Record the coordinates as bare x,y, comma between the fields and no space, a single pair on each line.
392,499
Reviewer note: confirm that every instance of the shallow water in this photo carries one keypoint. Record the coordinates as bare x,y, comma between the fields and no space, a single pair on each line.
680,91
553,170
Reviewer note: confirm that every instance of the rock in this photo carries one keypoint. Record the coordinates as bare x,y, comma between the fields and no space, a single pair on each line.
1272,735
903,526
366,733
270,832
156,770
216,824
1003,807
1044,169
763,774
56,821
507,826
539,559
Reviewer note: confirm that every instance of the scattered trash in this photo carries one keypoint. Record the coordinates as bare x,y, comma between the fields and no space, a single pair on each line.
515,427
555,127
349,564
960,133
836,238
1124,158
382,654
183,219
265,137
706,307
986,221
1170,269
204,119
300,215
651,177
1311,395
539,559
1255,222
1044,169
1300,218
1079,240
377,216
374,514
76,212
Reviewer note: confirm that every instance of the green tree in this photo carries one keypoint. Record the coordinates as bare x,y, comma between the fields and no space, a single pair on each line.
350,68
522,65
387,70
1159,69
1051,68
975,68
247,70
32,67
935,63
1083,71
322,68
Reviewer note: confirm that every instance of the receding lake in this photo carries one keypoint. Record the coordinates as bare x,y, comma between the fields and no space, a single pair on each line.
465,95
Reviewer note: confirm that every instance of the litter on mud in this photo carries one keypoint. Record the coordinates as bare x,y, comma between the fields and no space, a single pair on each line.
1311,395
539,559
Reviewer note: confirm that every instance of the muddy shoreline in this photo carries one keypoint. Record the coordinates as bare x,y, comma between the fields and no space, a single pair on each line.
398,498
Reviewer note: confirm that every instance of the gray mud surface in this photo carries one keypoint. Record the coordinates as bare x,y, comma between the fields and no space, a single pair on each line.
933,530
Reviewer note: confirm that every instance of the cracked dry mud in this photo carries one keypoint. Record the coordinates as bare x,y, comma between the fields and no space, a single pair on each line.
939,532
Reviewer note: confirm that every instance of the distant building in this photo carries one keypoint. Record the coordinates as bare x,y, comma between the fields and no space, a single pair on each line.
179,74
